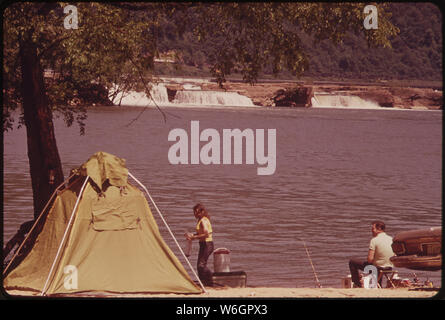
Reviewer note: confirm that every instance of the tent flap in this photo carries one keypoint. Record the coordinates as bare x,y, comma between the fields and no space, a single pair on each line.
103,166
114,210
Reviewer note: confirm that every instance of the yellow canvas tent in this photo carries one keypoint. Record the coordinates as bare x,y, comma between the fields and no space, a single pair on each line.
98,235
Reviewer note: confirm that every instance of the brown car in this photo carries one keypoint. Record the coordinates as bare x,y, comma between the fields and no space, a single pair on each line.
418,249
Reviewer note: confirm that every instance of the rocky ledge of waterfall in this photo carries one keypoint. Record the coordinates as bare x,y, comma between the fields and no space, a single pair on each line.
395,97
299,95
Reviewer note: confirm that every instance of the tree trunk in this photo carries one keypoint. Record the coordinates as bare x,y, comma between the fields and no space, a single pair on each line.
44,161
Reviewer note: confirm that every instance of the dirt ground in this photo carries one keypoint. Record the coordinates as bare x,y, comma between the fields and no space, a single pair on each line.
263,292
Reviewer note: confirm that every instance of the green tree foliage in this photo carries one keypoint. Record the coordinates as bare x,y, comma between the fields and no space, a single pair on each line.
250,37
116,43
109,47
415,53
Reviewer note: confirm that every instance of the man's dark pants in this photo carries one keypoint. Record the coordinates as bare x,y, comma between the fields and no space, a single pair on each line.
354,266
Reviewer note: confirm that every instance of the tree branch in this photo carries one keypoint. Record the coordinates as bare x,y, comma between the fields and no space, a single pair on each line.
147,91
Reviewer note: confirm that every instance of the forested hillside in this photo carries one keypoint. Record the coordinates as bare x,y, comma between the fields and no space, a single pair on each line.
416,53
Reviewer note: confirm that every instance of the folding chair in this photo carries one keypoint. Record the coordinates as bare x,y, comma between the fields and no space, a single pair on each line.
387,273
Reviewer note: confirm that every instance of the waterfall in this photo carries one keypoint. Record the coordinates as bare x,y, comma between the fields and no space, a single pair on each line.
211,98
132,98
191,95
189,86
331,100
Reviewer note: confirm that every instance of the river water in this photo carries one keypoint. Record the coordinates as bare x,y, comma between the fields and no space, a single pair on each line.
337,170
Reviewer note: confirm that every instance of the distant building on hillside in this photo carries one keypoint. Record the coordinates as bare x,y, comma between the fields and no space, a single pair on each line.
166,57
50,74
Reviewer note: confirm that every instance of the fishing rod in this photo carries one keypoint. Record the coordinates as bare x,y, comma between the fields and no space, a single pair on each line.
312,265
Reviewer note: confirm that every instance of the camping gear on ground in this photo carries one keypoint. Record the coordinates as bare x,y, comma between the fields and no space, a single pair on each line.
236,279
369,281
222,275
98,235
221,260
418,249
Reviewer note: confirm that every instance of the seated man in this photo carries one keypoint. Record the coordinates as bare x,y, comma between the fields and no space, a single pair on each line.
380,251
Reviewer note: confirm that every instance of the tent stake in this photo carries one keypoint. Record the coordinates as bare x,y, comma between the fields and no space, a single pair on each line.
64,236
169,230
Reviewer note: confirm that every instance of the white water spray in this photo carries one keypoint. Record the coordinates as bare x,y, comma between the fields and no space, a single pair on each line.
332,100
192,95
211,98
132,98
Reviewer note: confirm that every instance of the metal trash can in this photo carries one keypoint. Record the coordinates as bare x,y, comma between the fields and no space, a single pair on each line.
221,260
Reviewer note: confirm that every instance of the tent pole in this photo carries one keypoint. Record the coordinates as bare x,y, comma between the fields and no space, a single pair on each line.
35,223
64,236
169,230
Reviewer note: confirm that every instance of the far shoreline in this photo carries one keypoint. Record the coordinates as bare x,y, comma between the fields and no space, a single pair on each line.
299,94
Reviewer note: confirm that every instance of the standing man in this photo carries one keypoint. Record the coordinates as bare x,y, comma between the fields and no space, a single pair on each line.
379,252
